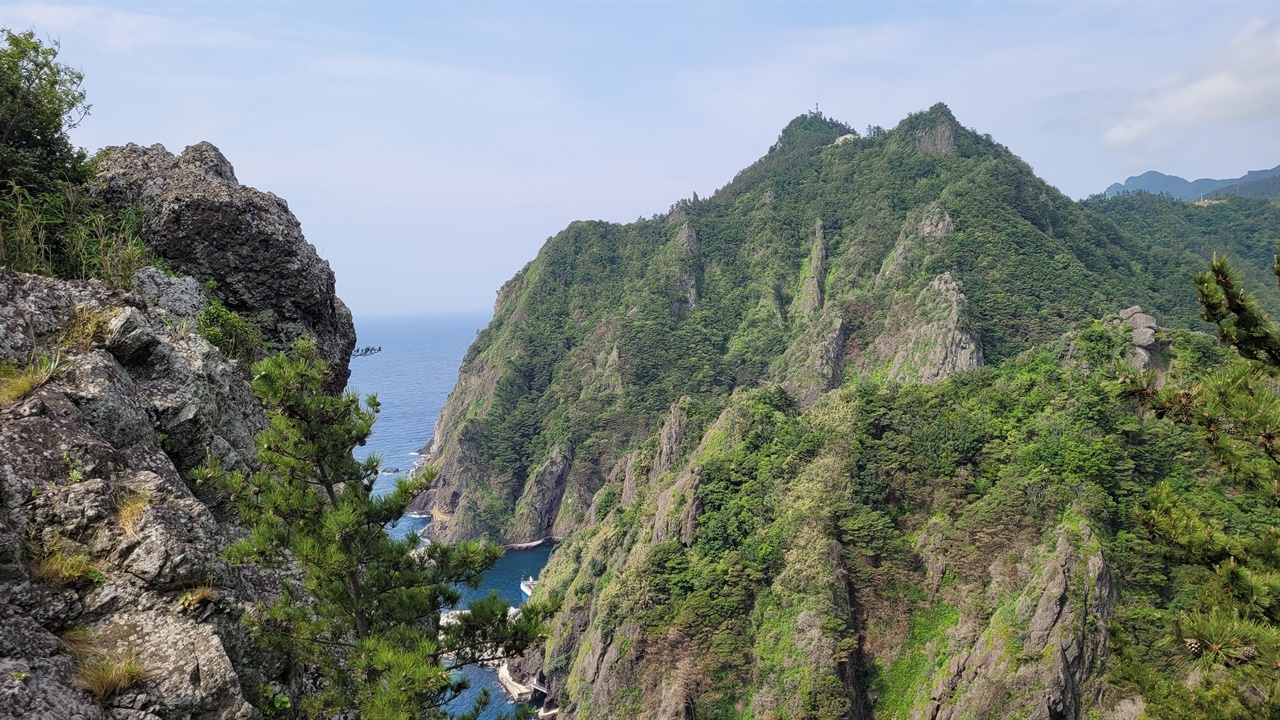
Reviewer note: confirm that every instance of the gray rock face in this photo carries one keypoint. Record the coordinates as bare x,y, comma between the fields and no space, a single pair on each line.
928,341
540,501
938,140
1064,648
670,437
207,225
1145,352
139,399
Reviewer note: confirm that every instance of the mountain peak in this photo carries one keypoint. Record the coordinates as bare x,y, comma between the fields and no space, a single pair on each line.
809,130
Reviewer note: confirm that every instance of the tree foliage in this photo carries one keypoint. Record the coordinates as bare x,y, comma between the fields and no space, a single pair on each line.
1241,322
367,614
40,100
48,224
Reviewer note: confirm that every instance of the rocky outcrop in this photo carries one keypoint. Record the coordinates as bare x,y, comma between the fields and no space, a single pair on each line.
540,501
812,295
938,140
926,340
1144,353
1047,654
671,437
92,467
685,293
205,224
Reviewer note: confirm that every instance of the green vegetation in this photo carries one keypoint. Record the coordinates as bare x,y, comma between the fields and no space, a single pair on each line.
40,100
797,563
1223,610
913,672
57,564
980,466
130,508
196,597
107,675
1178,238
594,340
48,223
17,382
370,618
237,338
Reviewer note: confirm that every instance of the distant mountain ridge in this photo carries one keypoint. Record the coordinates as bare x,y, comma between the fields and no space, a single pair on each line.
1183,189
1268,187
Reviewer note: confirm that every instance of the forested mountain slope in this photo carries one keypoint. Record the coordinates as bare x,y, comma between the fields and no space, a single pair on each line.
1049,539
843,441
906,254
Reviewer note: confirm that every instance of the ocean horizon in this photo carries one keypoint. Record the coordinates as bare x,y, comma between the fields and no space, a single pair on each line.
412,377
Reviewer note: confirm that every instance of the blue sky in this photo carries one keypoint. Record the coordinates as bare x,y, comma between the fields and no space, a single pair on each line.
429,149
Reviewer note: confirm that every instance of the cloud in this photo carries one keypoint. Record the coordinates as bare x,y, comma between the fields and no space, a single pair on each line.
1241,83
121,30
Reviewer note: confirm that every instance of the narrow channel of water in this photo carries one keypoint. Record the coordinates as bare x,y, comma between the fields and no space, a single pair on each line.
412,378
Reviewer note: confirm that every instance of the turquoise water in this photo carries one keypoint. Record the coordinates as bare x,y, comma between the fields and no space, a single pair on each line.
412,378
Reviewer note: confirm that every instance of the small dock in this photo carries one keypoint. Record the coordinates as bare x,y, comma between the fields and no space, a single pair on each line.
531,692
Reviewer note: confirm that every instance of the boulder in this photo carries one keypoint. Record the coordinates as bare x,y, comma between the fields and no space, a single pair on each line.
207,225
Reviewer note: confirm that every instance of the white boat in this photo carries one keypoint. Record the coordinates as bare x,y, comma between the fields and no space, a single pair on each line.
526,586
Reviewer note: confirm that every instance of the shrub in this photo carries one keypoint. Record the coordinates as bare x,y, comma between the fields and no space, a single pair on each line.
236,337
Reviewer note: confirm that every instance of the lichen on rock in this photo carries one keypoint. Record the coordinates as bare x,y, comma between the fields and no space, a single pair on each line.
205,224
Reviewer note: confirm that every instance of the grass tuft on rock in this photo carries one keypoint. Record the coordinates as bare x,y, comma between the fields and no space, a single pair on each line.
17,381
130,509
198,596
80,641
63,567
104,676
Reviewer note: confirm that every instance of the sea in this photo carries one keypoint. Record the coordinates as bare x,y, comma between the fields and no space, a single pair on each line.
412,376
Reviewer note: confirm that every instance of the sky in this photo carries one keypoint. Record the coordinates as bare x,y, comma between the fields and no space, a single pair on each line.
430,148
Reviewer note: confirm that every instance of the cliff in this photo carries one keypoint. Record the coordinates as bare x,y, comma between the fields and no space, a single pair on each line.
843,440
909,254
110,553
206,225
894,551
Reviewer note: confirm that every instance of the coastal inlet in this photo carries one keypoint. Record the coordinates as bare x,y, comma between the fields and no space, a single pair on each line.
412,377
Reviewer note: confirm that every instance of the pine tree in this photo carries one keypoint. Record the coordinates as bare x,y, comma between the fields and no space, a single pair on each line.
367,615
1230,629
1241,323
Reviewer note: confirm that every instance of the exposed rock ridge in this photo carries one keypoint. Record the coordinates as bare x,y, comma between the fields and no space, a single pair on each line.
1064,647
813,294
685,299
927,340
140,400
207,225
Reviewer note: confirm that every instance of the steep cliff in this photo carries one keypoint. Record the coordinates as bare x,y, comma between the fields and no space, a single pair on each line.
897,550
114,597
205,224
909,254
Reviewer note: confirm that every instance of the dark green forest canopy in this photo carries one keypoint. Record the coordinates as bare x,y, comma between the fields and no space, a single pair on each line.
980,467
702,299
